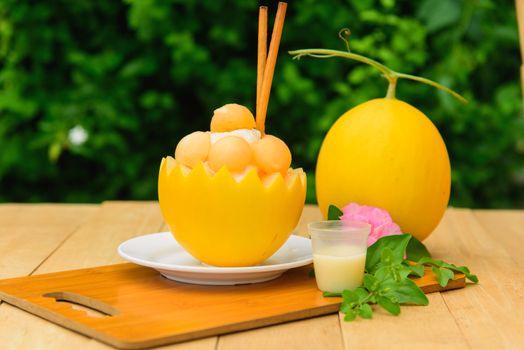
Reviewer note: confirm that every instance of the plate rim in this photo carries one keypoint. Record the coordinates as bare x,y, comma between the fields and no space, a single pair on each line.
208,268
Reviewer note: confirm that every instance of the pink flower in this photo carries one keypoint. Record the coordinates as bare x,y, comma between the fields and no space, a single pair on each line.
381,222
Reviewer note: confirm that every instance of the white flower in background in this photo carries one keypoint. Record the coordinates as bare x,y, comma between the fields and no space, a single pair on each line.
77,135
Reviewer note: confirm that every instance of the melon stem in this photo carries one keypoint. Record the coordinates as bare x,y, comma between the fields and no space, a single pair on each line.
392,87
388,73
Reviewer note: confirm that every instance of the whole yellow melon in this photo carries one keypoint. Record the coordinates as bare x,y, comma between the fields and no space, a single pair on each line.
388,154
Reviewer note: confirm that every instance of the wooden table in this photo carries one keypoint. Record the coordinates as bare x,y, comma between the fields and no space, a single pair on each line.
41,238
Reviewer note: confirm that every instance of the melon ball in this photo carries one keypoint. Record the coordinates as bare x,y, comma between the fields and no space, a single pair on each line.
231,151
231,117
271,154
193,148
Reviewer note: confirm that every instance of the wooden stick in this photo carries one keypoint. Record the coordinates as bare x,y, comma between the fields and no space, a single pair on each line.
262,53
270,65
520,20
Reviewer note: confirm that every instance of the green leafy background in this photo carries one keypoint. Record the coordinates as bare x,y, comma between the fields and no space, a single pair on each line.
139,74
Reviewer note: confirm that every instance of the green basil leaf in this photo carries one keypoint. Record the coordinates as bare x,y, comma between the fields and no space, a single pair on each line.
403,271
330,295
429,261
334,213
383,273
345,307
388,305
350,315
370,282
349,296
445,276
417,270
392,297
386,256
462,269
365,311
406,291
436,271
361,293
397,244
424,260
311,273
472,278
416,250
440,263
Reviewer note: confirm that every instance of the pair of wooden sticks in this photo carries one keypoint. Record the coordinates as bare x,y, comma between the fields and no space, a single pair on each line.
266,61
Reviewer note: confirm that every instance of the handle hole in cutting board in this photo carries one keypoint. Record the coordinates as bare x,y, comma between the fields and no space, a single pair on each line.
92,307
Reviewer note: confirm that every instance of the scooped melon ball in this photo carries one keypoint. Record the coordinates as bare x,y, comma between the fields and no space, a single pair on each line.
271,154
231,151
232,117
193,148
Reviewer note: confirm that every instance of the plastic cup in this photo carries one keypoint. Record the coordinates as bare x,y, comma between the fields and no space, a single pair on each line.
339,253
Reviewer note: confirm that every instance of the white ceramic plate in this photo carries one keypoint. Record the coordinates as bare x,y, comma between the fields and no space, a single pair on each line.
162,252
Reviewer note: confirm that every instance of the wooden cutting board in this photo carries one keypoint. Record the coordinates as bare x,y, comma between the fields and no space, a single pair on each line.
137,307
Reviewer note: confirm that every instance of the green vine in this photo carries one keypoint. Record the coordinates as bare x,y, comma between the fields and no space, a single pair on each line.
388,73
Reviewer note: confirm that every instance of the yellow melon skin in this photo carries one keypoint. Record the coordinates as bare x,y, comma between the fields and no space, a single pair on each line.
388,154
223,222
